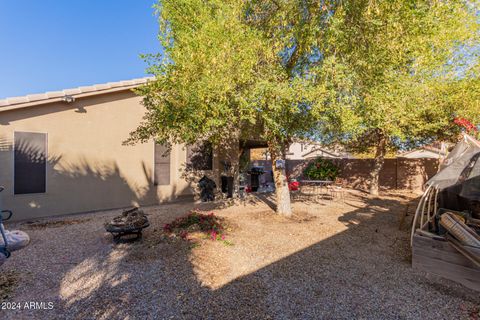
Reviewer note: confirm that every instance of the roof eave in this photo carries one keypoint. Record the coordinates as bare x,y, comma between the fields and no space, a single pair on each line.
82,92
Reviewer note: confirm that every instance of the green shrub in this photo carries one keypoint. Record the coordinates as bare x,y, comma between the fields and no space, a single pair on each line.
321,169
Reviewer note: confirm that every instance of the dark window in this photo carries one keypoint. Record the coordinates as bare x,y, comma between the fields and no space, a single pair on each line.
30,164
162,165
200,156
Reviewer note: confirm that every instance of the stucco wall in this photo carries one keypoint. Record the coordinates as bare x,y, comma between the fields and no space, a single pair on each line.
88,168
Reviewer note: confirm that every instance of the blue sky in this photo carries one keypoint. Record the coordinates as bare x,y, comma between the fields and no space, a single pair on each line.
51,45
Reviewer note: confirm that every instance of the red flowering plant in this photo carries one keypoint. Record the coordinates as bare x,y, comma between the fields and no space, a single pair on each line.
195,222
470,128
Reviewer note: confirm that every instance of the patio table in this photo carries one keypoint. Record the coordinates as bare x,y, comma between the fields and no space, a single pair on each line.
318,185
321,182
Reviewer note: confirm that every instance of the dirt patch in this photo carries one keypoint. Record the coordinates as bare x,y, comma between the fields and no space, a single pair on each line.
302,217
153,250
35,225
8,283
298,216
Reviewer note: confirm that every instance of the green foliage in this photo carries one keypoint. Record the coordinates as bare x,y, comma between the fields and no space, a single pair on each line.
400,69
287,99
365,73
224,73
202,78
321,169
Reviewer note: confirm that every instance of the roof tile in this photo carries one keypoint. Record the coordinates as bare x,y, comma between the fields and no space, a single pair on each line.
86,89
55,94
36,97
72,91
102,86
14,100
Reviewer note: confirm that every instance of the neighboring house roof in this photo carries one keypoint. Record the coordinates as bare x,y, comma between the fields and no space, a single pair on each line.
308,149
55,96
429,151
314,153
421,153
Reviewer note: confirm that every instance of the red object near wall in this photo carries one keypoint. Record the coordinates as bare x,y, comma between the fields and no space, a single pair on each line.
293,186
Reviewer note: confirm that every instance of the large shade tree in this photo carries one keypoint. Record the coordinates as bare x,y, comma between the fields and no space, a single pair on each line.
398,72
222,75
375,74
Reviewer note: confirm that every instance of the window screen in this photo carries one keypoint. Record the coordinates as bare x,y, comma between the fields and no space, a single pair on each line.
30,162
200,156
162,165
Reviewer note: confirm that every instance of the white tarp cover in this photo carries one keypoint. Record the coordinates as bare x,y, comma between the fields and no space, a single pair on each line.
460,165
458,180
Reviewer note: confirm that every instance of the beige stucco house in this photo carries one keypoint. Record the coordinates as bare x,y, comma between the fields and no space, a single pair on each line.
306,150
62,153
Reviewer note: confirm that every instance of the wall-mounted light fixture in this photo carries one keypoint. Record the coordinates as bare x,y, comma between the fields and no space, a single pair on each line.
68,99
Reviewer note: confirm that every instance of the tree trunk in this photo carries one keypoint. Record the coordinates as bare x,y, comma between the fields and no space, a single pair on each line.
380,151
236,173
281,184
235,161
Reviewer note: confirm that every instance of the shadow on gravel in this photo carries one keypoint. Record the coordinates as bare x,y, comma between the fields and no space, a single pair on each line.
362,272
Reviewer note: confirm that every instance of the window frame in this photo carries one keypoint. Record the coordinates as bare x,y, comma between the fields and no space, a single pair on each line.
13,164
155,180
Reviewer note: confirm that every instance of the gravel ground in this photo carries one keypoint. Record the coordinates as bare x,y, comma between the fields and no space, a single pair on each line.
330,261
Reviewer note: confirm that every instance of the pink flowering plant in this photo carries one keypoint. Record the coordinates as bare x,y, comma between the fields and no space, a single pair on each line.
211,226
